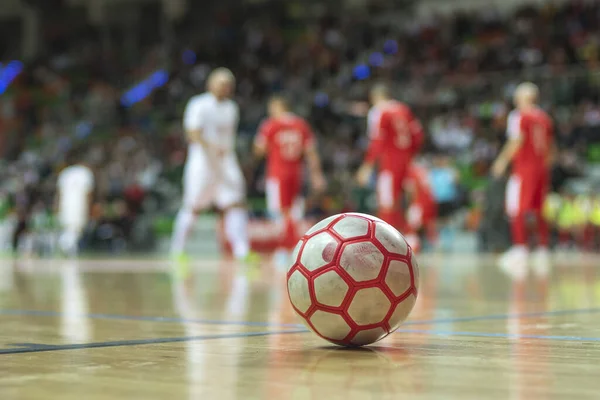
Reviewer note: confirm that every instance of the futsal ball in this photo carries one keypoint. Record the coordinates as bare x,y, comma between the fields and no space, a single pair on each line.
354,279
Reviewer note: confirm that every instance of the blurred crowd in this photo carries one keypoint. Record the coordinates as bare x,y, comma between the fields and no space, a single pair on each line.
457,71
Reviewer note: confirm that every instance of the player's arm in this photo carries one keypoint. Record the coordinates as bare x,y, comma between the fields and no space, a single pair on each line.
314,166
374,150
510,148
193,122
552,150
417,133
552,154
261,141
195,136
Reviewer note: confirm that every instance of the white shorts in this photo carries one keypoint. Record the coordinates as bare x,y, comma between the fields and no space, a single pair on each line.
208,180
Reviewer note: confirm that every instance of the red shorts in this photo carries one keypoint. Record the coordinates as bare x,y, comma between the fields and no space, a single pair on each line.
389,188
526,193
282,193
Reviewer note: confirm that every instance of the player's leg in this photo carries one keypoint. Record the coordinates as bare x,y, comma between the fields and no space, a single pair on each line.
280,215
516,199
73,219
289,191
198,190
414,226
389,191
278,205
18,233
539,199
541,262
69,238
430,224
230,196
514,261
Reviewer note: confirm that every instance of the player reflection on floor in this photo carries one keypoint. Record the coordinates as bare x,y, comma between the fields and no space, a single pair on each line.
234,287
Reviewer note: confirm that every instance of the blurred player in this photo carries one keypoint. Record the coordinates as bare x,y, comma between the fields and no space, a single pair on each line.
212,175
74,198
422,212
286,140
530,149
396,137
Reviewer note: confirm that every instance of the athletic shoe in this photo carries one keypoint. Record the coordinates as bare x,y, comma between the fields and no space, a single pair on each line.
514,262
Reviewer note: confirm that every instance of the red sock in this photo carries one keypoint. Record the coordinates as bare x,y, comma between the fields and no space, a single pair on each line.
394,218
519,230
564,236
290,235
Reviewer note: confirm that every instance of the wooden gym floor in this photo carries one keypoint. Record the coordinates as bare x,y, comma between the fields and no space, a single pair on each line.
125,329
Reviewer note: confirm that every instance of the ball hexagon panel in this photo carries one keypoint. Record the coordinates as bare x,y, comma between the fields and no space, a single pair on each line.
330,289
318,251
390,238
332,326
362,261
298,291
369,306
320,225
351,227
368,336
401,312
397,277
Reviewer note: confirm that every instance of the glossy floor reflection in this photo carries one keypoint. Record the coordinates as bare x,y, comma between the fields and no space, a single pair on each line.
111,329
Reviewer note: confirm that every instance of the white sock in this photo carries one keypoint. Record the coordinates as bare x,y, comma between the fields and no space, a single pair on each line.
68,241
236,231
183,224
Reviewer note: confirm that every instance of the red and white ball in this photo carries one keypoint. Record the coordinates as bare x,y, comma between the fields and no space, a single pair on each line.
354,279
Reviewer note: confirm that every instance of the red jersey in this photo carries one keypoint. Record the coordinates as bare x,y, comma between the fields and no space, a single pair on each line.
396,136
286,139
536,130
418,178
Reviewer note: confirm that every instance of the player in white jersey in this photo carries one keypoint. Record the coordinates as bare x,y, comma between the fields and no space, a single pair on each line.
212,175
74,195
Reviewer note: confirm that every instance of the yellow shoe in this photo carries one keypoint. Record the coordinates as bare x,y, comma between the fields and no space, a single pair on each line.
252,261
181,266
251,258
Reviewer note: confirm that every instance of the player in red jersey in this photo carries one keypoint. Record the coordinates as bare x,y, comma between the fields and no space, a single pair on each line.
422,212
396,137
287,140
530,149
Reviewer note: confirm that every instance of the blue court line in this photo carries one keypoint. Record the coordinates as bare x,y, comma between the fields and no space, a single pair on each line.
37,348
41,313
503,316
500,335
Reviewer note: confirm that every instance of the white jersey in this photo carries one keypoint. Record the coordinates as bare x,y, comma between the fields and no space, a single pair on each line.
75,183
218,121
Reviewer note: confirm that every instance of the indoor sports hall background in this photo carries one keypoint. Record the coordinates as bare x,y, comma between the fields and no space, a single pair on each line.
114,76
124,319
